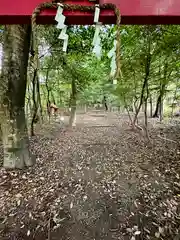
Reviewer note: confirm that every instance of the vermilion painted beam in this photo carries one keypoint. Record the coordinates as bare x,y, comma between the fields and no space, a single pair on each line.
132,11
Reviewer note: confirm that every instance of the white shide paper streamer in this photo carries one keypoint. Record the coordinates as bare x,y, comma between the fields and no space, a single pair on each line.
112,54
60,18
96,40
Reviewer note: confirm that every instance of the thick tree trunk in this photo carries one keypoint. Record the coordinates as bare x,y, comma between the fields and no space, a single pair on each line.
156,113
163,84
72,119
146,119
12,96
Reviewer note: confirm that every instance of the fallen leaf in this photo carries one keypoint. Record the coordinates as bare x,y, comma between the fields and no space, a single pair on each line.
157,234
161,230
71,205
137,233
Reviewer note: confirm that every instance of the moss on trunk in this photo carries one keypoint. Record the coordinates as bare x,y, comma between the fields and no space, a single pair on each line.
12,96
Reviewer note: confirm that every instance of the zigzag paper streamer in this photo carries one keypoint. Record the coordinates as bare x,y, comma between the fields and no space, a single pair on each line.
60,18
112,54
97,48
96,39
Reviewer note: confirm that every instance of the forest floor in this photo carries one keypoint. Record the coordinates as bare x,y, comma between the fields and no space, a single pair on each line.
98,181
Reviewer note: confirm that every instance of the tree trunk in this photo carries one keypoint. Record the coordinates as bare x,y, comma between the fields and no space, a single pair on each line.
39,101
174,98
35,106
12,94
105,103
151,106
146,119
28,104
127,109
163,83
72,119
48,96
161,109
135,104
156,113
145,83
141,98
159,100
145,112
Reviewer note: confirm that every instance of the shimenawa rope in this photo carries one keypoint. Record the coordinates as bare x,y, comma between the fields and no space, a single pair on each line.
69,7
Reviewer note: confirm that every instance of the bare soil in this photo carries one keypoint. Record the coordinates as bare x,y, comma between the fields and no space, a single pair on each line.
98,181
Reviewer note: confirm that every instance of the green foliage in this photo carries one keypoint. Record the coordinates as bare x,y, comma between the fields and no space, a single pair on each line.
146,51
161,45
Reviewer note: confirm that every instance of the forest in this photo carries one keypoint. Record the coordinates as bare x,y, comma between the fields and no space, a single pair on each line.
84,155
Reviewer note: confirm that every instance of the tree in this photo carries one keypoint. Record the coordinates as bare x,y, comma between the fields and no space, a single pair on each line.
12,96
162,68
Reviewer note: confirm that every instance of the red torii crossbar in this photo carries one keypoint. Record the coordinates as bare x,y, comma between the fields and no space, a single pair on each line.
132,12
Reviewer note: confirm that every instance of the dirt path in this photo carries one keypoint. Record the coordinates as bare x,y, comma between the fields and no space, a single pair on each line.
97,181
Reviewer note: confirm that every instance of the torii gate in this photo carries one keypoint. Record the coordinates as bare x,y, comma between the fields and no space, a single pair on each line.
132,12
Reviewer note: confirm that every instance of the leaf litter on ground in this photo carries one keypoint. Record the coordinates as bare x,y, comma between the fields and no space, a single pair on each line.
96,181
